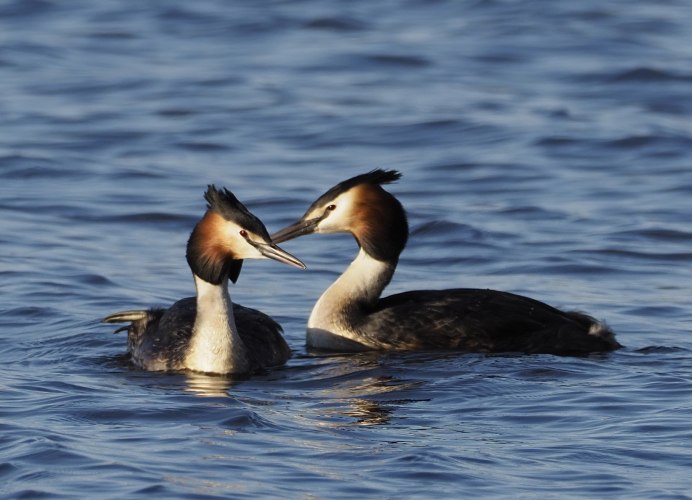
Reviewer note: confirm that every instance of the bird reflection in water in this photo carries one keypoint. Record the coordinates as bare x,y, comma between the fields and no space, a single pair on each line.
210,385
368,412
352,404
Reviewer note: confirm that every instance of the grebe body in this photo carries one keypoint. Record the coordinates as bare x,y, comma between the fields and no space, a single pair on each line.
351,315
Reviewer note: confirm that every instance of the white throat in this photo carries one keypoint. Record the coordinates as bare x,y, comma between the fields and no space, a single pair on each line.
331,320
215,346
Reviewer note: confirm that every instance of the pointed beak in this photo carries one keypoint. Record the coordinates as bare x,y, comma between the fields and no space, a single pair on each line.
299,228
272,251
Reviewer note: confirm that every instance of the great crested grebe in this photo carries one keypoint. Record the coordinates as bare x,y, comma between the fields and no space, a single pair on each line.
208,333
351,316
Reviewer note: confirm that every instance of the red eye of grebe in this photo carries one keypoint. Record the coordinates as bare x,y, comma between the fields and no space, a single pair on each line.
243,233
331,207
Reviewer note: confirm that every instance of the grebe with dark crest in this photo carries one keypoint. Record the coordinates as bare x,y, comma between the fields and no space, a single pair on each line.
208,333
351,316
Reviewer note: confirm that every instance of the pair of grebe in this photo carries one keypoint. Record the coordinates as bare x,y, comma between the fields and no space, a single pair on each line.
210,334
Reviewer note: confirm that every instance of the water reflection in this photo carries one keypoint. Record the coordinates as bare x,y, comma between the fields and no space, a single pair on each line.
367,412
363,411
360,390
209,385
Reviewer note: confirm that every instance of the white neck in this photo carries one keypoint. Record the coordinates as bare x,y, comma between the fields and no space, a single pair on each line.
337,309
215,346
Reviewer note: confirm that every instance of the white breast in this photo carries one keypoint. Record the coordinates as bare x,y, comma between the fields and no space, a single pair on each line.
215,346
329,325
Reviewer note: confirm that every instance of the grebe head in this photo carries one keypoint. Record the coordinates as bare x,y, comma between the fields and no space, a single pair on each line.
227,234
359,206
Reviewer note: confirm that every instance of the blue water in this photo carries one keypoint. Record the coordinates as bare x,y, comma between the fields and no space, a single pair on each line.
546,149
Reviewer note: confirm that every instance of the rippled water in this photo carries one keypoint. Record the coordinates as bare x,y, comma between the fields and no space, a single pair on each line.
546,150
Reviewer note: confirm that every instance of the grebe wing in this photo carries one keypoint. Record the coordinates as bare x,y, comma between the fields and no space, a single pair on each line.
262,336
164,343
476,320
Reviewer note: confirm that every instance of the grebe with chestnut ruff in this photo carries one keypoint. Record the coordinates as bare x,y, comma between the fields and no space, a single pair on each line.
351,316
208,333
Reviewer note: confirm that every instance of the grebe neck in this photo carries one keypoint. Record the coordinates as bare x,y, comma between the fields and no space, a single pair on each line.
348,301
215,345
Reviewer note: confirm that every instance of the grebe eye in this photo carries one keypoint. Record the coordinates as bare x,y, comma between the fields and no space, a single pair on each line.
243,233
331,207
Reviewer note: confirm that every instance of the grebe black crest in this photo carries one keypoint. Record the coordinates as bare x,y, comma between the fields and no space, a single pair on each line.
208,333
351,315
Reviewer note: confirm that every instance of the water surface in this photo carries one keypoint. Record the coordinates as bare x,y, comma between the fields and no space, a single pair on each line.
545,148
